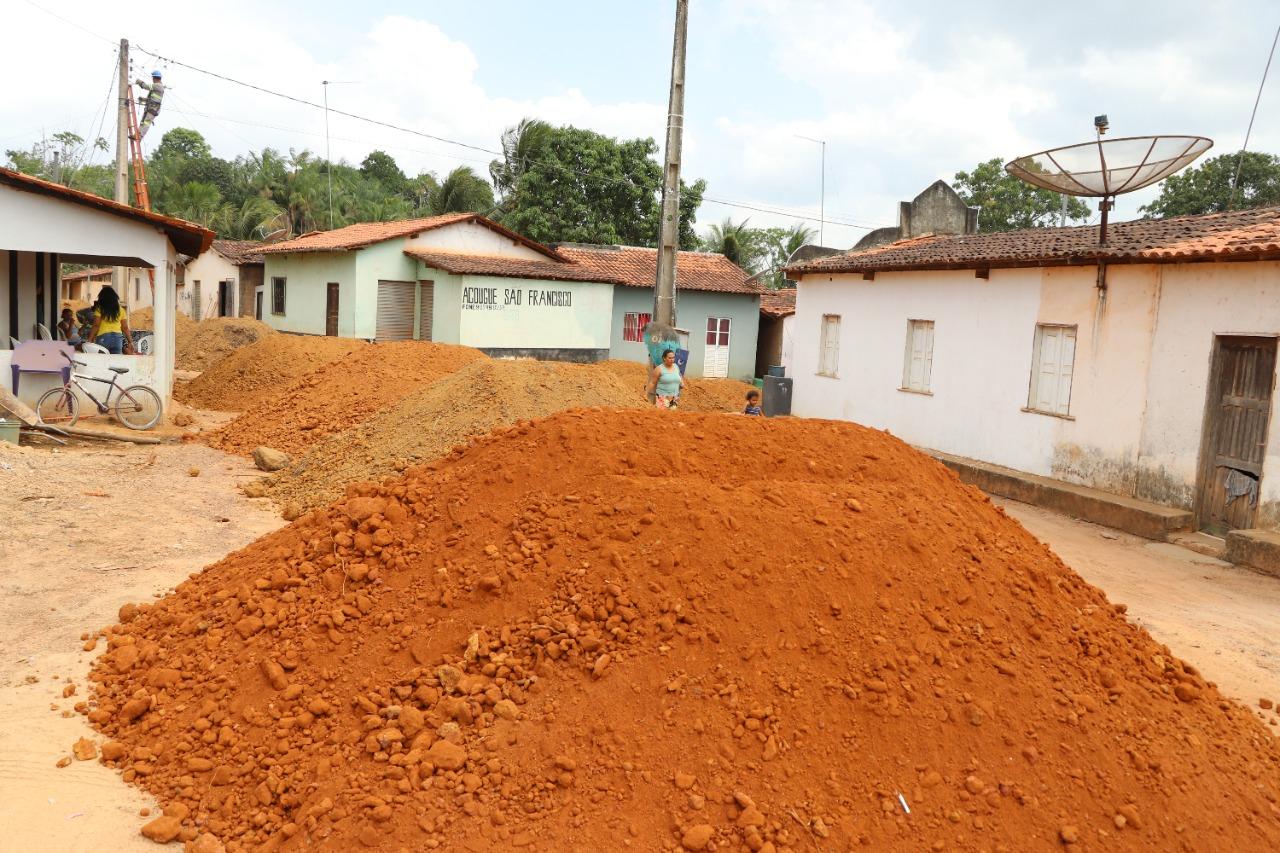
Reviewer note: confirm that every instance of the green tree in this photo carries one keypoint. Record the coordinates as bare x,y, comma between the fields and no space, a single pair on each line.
381,167
585,187
521,146
780,244
740,244
1005,203
1207,187
462,191
195,202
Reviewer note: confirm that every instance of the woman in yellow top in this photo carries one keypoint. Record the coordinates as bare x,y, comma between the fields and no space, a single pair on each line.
111,323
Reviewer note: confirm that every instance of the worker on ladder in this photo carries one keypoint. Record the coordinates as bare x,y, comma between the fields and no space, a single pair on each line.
151,108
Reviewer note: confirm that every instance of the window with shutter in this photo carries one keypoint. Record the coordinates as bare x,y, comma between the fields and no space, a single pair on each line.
1052,364
917,364
829,345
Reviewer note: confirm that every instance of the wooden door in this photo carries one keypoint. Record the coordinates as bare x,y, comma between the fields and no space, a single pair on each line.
331,310
715,364
1237,417
224,298
257,305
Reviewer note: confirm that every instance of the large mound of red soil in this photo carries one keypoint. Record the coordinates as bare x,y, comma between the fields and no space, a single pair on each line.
254,374
340,395
658,631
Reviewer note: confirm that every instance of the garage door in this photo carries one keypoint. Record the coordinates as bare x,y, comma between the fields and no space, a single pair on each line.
395,310
426,309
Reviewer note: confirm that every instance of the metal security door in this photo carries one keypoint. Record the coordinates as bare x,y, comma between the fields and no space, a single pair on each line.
196,313
331,309
395,310
716,362
1236,424
426,308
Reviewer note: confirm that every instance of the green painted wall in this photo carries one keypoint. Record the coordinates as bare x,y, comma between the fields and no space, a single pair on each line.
384,261
693,307
307,275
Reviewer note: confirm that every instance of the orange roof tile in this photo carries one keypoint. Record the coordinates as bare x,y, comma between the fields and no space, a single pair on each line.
462,263
778,303
87,274
368,233
240,251
1238,235
186,237
636,266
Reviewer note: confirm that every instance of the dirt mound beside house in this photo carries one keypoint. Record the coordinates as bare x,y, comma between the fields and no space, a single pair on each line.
257,372
341,395
699,395
425,425
202,345
603,626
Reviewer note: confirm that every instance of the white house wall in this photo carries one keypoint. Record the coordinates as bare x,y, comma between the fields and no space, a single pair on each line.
209,269
471,238
1197,303
1139,383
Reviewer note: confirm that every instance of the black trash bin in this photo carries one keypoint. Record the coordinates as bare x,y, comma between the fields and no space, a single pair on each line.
776,370
777,396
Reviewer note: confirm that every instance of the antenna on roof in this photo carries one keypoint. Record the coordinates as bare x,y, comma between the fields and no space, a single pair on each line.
1107,169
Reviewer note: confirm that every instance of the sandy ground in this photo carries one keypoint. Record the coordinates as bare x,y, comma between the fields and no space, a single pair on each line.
1220,617
69,557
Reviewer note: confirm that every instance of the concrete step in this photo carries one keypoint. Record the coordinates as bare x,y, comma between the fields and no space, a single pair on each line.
1141,518
1201,543
1257,549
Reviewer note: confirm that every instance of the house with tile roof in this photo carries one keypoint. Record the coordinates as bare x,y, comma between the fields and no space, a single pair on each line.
464,279
717,304
223,281
45,225
1144,367
776,341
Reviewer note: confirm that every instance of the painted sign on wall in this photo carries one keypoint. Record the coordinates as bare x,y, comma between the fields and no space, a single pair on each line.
534,315
496,299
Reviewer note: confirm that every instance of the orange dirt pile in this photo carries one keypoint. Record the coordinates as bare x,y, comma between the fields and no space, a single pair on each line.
254,374
340,395
678,631
485,394
202,345
699,395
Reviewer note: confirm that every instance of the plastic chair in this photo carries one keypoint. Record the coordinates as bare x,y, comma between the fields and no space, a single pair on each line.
96,349
43,331
13,342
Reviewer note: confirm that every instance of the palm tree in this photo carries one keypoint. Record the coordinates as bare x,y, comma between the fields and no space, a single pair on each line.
253,220
462,191
196,202
783,247
734,240
521,145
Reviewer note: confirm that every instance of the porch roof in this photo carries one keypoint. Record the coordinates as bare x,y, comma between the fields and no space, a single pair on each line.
186,237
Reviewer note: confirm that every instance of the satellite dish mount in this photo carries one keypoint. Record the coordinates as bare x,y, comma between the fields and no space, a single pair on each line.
1105,169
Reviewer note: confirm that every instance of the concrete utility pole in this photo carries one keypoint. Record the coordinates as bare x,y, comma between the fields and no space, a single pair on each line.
664,309
119,274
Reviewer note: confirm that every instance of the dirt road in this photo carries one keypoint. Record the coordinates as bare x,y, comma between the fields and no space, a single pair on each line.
1218,616
84,531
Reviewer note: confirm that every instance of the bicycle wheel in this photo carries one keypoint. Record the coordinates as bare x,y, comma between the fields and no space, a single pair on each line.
138,407
58,407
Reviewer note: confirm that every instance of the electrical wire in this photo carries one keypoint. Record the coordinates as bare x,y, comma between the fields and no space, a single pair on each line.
69,22
460,144
1235,182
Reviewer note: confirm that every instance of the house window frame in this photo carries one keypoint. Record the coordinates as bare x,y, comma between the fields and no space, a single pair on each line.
925,328
633,331
278,293
829,350
1058,408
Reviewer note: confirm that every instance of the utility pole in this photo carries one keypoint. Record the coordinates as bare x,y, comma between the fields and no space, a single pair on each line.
118,274
664,309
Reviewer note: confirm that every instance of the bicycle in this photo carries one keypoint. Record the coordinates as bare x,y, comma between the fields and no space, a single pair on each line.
137,407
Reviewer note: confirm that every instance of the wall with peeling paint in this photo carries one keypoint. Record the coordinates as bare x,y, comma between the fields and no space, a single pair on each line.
1143,348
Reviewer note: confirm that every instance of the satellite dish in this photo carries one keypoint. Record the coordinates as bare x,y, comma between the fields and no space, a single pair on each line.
1107,168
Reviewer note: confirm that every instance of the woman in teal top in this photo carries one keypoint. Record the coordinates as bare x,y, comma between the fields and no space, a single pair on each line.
665,382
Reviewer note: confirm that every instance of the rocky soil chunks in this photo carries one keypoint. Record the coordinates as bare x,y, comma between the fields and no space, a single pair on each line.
817,639
339,395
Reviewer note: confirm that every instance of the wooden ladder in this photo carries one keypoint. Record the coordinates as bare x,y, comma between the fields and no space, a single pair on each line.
142,197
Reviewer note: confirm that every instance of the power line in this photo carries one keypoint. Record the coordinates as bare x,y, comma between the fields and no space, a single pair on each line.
1235,182
448,141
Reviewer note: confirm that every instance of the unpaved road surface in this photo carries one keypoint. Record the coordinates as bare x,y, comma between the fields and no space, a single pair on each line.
83,531
1223,619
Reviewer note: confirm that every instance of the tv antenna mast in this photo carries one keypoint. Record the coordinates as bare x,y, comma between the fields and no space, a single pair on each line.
1104,169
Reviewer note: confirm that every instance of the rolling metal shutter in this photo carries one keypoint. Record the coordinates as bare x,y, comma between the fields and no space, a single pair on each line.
395,310
426,309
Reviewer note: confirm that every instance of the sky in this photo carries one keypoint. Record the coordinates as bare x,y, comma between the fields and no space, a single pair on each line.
902,93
